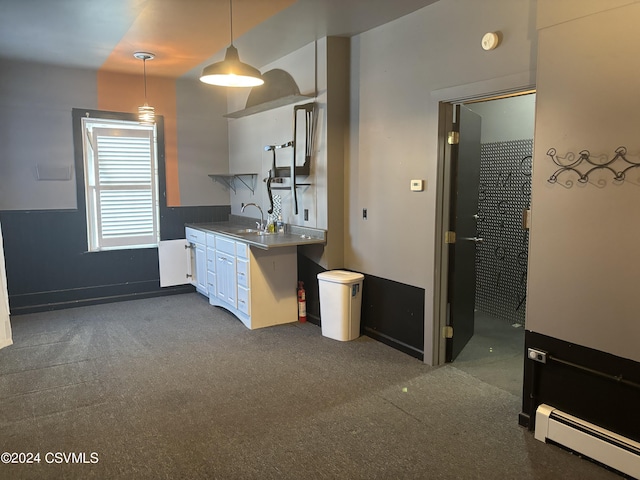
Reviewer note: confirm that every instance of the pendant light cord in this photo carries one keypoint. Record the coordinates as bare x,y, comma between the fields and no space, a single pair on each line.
231,19
144,69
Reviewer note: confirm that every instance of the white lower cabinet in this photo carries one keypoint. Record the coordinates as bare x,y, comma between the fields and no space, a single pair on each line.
258,286
242,275
263,282
226,271
211,264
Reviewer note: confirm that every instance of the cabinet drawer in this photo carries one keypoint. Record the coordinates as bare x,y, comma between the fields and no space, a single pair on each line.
243,300
211,281
211,240
242,250
211,259
195,236
225,245
242,267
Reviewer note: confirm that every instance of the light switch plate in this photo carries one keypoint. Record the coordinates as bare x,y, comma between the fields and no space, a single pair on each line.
417,185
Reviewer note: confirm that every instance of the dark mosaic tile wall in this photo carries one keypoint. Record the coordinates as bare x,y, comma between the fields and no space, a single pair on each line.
501,259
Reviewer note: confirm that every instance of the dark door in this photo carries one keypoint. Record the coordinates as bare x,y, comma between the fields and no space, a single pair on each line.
465,181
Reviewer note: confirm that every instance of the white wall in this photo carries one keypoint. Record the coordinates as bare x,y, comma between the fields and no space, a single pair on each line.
396,70
583,271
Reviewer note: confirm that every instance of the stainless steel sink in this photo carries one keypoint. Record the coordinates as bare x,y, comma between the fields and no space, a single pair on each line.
253,231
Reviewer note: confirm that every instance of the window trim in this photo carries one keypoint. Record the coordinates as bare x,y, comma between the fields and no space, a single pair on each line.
77,115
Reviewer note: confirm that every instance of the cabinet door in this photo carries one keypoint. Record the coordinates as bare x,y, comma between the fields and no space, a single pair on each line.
174,258
242,267
201,268
231,281
244,304
211,282
226,277
221,273
211,259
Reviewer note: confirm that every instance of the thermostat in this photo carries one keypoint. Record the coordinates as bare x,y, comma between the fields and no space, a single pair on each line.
417,185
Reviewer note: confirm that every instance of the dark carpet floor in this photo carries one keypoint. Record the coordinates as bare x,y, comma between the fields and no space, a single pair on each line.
174,388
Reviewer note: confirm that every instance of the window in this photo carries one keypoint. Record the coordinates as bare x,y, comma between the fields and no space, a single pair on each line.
121,184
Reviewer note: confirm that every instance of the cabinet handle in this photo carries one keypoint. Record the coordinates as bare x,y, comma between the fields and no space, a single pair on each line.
241,301
241,273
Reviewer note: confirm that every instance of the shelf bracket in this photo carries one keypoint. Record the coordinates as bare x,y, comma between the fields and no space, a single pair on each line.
229,180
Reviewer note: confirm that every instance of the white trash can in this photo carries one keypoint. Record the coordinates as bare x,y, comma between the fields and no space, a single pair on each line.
340,304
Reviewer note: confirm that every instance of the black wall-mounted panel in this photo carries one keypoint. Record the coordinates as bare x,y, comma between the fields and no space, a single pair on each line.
48,266
392,312
595,386
172,219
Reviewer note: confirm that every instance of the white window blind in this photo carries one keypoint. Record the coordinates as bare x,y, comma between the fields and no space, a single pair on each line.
121,186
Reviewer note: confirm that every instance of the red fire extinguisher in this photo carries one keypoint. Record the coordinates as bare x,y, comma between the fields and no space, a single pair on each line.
302,303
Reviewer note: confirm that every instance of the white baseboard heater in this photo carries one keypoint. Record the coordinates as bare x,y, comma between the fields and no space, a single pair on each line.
588,439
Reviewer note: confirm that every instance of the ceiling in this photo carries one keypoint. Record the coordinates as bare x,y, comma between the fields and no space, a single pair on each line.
185,35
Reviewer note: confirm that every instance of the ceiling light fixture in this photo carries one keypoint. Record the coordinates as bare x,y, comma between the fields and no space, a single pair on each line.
231,72
146,114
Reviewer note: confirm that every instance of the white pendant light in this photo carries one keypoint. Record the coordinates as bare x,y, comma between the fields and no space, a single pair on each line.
146,114
231,72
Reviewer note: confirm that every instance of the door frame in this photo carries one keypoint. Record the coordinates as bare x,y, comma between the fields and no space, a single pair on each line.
443,210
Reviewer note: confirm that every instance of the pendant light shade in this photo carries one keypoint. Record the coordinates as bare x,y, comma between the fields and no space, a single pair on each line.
146,114
231,72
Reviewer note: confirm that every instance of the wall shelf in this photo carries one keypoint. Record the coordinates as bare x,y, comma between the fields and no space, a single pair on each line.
230,180
263,107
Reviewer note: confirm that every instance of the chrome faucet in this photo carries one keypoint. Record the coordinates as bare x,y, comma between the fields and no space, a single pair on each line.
260,225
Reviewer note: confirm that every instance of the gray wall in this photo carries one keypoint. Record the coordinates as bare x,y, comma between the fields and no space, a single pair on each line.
203,146
394,125
583,263
35,128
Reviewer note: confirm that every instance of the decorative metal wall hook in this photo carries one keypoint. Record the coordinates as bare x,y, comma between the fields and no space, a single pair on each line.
584,164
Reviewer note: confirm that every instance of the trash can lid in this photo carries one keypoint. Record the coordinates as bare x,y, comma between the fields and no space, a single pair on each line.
340,276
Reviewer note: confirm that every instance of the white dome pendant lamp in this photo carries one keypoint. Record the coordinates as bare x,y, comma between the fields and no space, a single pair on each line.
146,114
231,72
